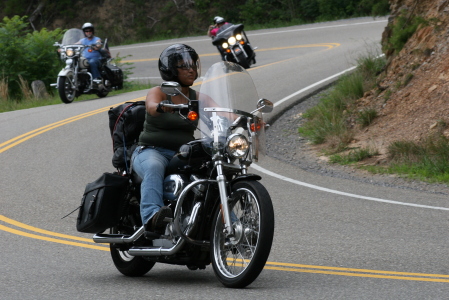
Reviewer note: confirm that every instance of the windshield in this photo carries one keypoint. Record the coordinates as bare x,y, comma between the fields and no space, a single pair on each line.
228,92
72,36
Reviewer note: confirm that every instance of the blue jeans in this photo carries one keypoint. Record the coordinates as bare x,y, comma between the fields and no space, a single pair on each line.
150,164
94,65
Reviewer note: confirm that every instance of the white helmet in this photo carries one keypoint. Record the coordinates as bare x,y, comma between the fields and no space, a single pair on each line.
88,25
218,20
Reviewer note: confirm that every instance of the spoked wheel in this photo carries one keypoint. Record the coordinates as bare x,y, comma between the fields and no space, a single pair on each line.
237,261
65,89
129,265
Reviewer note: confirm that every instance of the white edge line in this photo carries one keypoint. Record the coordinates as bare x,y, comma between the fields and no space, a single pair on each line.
263,170
260,169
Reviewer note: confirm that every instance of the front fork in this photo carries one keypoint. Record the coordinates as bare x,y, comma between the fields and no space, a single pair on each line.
226,214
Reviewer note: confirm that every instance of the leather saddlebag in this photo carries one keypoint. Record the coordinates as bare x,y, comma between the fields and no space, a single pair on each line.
102,203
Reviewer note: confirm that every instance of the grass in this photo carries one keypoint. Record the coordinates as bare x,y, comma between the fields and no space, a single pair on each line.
30,101
353,156
327,122
331,122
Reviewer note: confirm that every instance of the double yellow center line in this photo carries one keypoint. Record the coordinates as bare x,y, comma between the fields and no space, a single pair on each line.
41,234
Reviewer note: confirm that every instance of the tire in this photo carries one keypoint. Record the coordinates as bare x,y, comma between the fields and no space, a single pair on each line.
66,92
243,60
238,261
103,94
128,265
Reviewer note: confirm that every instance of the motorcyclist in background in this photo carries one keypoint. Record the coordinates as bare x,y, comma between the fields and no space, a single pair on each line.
220,24
92,54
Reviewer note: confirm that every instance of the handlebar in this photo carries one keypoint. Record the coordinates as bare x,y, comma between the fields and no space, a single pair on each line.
174,106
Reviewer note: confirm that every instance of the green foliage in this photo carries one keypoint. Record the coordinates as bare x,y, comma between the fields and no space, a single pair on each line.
327,122
366,117
30,55
404,27
426,160
353,156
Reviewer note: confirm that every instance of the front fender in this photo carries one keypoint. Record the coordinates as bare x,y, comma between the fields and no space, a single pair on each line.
246,177
65,72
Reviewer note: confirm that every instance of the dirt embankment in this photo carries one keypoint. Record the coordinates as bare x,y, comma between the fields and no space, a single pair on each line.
412,97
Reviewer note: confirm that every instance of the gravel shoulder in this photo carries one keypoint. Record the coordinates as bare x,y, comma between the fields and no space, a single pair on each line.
284,143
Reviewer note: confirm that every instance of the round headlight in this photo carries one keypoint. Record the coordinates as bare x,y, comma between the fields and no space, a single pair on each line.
232,40
225,45
69,52
238,37
237,145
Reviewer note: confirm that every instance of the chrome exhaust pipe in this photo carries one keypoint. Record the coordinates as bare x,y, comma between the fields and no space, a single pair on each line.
159,251
118,238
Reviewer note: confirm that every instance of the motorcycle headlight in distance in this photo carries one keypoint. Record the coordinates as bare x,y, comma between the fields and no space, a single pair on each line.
225,45
237,145
238,37
232,40
69,52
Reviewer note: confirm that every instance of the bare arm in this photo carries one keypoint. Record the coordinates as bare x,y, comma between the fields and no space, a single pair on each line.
154,97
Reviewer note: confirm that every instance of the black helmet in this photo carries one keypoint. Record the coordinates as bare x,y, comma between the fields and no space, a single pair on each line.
88,26
174,56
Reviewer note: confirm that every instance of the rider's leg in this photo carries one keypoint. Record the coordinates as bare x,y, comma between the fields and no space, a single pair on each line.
150,164
94,65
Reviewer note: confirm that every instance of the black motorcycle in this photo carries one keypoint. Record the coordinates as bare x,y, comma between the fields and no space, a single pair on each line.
223,215
234,46
75,79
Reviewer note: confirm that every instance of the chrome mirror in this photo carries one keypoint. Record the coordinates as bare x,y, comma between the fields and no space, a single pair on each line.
264,105
171,88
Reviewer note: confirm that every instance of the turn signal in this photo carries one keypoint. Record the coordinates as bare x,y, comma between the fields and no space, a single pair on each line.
192,116
90,50
256,127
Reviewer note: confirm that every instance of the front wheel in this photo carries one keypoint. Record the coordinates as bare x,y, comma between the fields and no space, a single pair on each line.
237,261
65,89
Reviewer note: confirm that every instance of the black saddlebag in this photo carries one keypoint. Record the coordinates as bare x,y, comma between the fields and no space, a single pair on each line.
115,75
103,203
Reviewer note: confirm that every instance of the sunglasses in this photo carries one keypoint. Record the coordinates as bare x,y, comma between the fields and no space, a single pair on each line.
87,30
186,67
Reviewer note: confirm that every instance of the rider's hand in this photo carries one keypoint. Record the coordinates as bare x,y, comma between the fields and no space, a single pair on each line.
162,109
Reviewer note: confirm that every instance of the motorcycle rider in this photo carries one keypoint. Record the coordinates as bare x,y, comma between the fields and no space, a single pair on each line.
92,54
164,132
219,24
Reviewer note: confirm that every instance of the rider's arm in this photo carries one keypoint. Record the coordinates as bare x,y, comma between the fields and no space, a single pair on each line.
154,97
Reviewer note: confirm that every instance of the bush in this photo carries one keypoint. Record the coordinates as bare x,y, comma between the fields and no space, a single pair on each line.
27,54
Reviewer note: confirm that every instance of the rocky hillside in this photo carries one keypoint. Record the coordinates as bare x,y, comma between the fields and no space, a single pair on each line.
412,95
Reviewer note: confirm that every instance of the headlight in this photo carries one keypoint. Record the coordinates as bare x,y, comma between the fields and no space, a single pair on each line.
232,40
69,52
238,37
237,145
225,45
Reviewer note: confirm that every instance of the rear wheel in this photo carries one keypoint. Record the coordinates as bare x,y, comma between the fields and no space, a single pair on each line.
133,266
65,89
237,261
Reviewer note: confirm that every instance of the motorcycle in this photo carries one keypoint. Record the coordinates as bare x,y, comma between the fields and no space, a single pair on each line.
75,79
222,214
234,46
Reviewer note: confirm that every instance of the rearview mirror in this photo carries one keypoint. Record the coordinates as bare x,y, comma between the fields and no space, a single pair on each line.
171,88
265,105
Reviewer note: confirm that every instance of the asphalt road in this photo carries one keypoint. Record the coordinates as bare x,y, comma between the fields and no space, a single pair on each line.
334,238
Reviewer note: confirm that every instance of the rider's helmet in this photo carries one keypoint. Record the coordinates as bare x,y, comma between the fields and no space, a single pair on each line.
175,55
88,26
219,20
